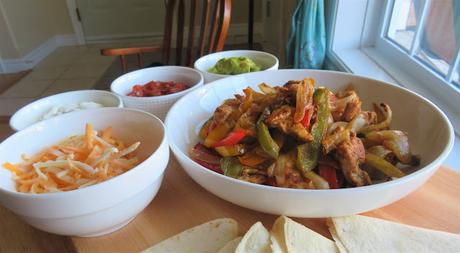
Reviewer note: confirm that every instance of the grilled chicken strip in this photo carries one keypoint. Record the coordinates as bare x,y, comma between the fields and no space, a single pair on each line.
248,119
351,110
283,119
350,155
224,111
346,107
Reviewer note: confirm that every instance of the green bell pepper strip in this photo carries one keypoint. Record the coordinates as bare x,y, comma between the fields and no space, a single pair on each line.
307,154
307,157
265,139
318,181
231,167
383,165
321,99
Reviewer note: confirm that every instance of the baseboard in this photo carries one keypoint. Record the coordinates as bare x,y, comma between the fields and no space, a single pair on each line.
66,40
237,33
38,54
14,65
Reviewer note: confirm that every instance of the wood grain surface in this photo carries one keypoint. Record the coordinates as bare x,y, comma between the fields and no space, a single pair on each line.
181,204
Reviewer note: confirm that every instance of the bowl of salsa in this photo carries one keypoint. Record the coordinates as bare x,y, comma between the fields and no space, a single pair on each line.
156,89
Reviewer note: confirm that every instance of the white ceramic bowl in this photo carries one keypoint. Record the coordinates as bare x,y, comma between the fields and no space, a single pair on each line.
98,209
33,112
159,105
430,133
265,60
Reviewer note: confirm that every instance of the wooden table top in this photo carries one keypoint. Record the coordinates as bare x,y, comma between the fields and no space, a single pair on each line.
181,203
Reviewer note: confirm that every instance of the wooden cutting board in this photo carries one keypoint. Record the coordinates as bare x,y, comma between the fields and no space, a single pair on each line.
181,204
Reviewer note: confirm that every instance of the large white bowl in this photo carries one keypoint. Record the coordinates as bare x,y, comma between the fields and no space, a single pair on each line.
97,209
33,112
265,60
159,105
430,134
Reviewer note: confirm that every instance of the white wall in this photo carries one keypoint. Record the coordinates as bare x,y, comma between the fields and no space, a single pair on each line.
8,49
103,21
28,24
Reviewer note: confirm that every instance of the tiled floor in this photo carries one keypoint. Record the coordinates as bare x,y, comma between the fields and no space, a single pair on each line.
8,80
73,68
67,68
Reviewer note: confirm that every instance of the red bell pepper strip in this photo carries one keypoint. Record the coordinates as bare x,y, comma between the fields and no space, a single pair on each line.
306,119
217,134
213,167
232,138
332,97
205,158
271,181
200,152
330,175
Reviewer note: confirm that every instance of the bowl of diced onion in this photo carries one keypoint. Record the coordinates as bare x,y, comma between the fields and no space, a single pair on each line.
85,173
61,103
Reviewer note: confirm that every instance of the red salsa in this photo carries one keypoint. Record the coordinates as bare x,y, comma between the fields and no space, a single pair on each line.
154,88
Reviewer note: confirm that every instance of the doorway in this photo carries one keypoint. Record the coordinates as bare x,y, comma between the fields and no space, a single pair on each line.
112,20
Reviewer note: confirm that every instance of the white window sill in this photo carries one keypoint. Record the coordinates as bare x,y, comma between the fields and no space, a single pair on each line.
370,63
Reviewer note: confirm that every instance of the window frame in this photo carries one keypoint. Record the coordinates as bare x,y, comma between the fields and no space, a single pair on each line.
357,44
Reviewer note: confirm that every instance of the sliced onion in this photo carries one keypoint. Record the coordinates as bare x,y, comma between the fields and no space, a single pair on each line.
198,153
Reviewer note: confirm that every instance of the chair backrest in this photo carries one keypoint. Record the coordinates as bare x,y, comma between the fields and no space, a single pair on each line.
214,24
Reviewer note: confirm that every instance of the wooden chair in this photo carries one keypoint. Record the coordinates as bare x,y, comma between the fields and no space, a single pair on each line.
215,21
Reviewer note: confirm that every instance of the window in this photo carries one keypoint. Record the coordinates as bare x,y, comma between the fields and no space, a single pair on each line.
413,43
421,39
403,22
429,32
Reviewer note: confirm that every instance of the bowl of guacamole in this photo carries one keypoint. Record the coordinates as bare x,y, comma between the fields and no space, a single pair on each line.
234,62
235,66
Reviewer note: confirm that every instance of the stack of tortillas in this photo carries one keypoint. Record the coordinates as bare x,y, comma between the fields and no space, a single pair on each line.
351,234
365,234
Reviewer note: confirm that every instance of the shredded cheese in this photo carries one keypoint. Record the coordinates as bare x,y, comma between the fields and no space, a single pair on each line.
76,162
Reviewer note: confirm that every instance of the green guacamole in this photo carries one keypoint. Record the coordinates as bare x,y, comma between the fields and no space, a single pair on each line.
234,66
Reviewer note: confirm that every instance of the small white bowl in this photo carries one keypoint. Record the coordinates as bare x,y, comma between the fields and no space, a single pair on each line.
98,209
158,105
33,112
430,134
265,60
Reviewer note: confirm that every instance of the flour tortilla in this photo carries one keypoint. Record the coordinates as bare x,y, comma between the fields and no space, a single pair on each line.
365,234
338,243
256,240
230,247
207,237
288,236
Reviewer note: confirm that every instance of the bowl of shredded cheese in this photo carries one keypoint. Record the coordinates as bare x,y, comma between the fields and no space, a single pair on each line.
51,106
85,173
